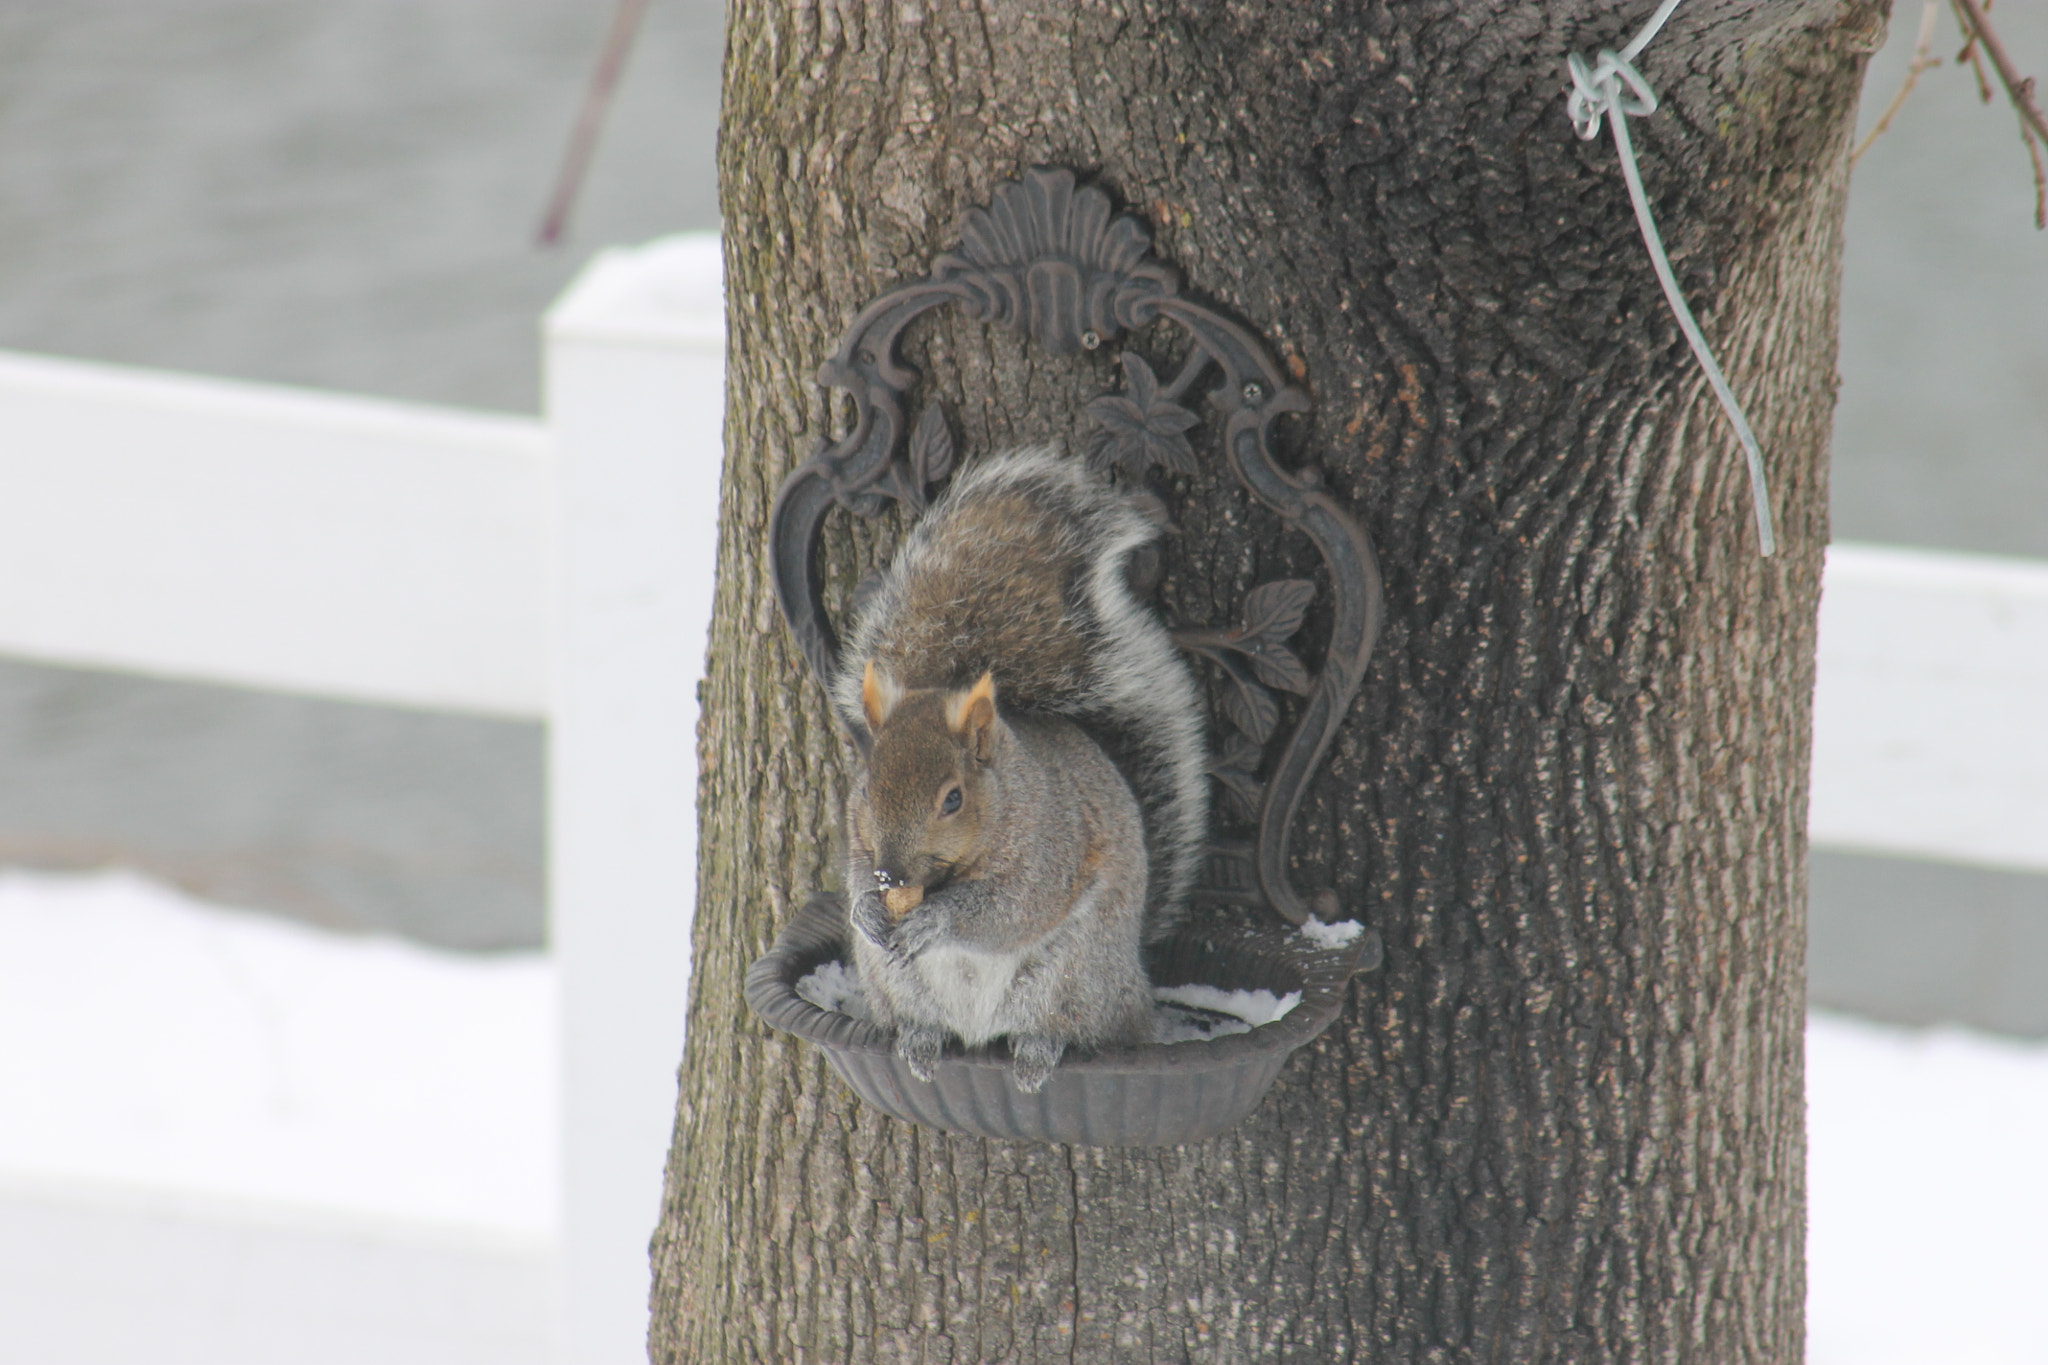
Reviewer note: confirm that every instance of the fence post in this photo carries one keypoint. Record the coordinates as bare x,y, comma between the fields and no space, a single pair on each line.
635,382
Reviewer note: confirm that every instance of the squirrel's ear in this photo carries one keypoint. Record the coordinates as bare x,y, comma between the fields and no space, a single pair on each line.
878,695
972,716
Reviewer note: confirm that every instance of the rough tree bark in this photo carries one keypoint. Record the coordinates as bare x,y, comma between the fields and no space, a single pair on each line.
1565,1121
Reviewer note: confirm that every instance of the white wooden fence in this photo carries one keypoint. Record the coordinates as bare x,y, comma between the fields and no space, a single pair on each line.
562,569
343,547
1931,707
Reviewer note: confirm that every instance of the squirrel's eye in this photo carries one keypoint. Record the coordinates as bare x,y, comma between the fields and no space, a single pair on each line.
951,803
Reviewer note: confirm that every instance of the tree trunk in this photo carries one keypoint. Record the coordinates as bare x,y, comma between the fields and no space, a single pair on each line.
1566,1120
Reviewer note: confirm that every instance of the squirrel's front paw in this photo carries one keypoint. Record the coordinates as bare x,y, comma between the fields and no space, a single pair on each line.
870,918
1032,1061
919,1045
918,930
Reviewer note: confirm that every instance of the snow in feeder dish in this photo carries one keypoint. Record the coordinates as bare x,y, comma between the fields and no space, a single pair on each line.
1042,937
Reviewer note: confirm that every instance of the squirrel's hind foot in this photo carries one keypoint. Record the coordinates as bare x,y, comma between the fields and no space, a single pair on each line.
919,1045
1033,1058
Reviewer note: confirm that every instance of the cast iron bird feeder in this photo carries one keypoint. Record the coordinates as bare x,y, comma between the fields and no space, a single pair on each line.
1050,258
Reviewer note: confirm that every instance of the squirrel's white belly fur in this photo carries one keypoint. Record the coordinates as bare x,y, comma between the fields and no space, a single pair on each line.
970,988
977,993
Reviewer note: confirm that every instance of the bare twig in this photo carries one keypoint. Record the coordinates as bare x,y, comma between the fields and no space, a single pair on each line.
2040,176
590,119
1922,60
2033,127
2019,90
1967,55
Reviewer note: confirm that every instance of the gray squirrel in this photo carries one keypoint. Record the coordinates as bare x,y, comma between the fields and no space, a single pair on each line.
1033,804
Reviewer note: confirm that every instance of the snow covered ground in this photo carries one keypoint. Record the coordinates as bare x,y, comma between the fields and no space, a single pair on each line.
150,1041
1927,1180
229,1139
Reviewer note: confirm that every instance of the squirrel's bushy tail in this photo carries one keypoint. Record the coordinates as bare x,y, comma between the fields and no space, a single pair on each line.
1019,570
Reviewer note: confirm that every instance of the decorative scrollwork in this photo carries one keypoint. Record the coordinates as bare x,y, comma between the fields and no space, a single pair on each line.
1053,260
1050,258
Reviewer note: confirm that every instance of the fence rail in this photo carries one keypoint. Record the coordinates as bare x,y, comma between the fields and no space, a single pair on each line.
1931,707
266,537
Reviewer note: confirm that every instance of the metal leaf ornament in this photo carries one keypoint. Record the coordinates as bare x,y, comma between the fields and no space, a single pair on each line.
1272,613
1237,768
1137,428
931,449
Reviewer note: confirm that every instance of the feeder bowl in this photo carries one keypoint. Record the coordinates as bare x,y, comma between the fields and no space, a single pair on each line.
1152,1095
